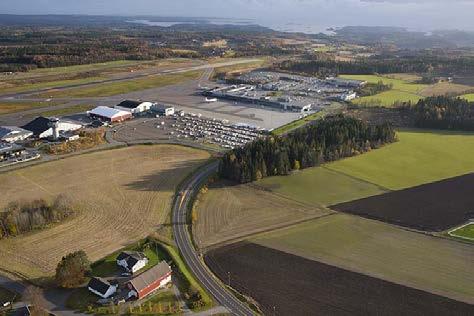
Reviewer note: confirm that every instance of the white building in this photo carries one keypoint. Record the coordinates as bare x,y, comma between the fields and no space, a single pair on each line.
101,287
104,113
41,127
132,261
11,134
163,109
134,107
348,96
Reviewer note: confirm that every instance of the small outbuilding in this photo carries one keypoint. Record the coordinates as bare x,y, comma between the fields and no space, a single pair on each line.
134,107
104,113
163,109
148,282
132,261
101,287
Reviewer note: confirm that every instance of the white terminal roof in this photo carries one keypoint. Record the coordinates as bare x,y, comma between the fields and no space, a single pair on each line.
105,111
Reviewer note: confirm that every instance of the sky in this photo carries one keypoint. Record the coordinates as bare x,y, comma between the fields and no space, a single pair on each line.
415,14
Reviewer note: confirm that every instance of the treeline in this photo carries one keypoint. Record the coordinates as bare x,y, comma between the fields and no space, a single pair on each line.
444,113
26,48
327,140
373,88
323,65
21,217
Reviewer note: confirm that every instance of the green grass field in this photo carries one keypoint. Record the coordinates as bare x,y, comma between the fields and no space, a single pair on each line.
469,97
320,186
121,87
434,264
48,85
312,117
69,110
402,90
465,232
419,157
18,106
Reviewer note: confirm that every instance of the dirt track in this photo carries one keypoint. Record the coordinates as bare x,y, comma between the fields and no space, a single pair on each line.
122,195
285,284
432,207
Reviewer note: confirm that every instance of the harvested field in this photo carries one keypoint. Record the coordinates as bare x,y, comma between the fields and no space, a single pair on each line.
432,207
285,284
443,88
226,213
121,195
432,264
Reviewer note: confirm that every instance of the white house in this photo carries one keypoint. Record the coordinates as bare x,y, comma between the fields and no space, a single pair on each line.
11,134
134,107
101,287
348,96
132,261
41,127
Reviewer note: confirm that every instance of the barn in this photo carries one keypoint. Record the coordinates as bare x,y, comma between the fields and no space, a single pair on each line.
104,113
101,287
134,107
148,282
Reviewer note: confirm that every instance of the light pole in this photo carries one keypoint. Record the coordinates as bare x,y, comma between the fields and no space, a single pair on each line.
228,277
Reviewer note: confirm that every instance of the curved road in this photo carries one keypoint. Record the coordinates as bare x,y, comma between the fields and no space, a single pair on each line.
183,241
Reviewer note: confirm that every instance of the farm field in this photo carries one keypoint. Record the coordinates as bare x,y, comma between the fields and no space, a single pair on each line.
122,87
443,88
226,213
434,206
320,186
424,156
383,251
120,195
403,90
469,97
285,284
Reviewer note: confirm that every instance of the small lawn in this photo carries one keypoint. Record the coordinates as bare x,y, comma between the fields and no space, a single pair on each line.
108,266
464,232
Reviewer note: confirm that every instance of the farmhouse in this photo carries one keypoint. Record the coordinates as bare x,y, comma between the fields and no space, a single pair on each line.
149,281
42,127
11,134
132,261
101,287
134,107
107,114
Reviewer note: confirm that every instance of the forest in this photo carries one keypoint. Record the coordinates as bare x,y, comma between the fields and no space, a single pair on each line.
23,48
444,112
326,140
20,217
323,65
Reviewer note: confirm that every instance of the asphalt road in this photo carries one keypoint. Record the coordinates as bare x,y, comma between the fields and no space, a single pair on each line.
183,241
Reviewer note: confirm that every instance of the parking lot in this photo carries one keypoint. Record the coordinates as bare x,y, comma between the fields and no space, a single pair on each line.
188,127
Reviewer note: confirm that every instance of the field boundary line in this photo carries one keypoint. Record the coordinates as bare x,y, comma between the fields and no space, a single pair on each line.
264,231
358,179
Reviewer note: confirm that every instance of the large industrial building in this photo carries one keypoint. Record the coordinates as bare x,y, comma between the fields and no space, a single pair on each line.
11,134
134,107
43,127
111,115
